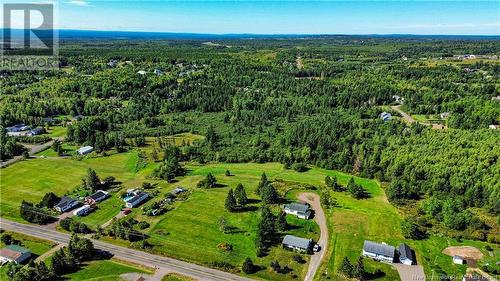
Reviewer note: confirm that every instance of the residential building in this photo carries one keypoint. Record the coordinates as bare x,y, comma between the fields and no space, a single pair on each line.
34,132
158,71
297,243
98,196
82,211
406,254
141,72
85,150
458,260
301,210
494,127
66,204
386,116
15,128
377,251
444,115
14,253
137,199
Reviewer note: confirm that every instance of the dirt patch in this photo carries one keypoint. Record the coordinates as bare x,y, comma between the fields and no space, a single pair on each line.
467,252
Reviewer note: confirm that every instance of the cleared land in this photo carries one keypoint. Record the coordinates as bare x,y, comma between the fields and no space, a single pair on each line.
192,226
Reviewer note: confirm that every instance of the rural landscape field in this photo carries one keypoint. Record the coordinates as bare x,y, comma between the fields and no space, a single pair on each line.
241,156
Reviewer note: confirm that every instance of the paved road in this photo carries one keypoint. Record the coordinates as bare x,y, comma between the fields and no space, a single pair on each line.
162,264
319,216
33,149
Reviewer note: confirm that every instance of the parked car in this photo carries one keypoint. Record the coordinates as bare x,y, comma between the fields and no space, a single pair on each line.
127,211
316,248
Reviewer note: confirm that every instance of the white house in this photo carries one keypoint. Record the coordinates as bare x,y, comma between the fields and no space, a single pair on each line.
377,251
141,72
82,211
297,243
494,127
136,200
66,204
301,210
14,253
85,150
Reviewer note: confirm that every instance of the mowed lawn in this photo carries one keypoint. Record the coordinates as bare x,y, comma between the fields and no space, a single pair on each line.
104,270
31,179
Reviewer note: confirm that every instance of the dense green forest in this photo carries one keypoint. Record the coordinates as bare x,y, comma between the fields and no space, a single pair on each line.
312,101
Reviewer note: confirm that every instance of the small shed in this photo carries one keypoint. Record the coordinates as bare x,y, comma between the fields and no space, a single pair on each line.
458,260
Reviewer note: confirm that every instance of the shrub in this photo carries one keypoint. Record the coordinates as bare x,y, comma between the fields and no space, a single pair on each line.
143,225
225,246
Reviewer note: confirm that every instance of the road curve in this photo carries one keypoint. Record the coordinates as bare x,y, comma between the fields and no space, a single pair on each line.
320,218
160,263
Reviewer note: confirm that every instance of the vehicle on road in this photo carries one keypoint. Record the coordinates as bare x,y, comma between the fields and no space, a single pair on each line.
317,248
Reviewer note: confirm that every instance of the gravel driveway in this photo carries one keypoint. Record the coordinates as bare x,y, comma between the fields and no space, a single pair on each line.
319,216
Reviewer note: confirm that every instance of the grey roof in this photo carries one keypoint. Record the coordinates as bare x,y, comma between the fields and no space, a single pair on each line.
98,195
298,242
138,198
475,278
379,249
299,207
65,200
405,252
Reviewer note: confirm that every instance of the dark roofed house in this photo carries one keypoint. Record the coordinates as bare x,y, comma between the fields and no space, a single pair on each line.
406,254
377,251
98,196
301,210
14,253
297,243
66,204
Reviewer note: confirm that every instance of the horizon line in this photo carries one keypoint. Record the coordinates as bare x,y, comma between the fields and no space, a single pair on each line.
265,34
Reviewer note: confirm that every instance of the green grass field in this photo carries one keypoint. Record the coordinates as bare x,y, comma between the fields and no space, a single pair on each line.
191,227
176,277
104,270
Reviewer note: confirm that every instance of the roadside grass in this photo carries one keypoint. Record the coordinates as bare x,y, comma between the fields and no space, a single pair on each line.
176,277
49,152
36,246
108,270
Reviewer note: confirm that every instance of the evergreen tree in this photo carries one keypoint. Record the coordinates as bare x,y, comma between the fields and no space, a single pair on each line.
92,181
240,194
228,173
230,203
346,268
359,270
281,223
266,229
356,190
328,181
263,182
248,267
269,194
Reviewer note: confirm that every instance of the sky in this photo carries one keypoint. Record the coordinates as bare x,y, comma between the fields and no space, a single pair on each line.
474,17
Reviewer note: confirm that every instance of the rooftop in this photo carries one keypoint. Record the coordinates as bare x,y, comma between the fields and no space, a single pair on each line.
298,242
17,248
299,207
405,251
379,249
65,200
